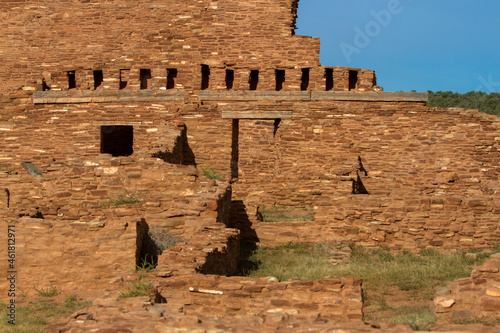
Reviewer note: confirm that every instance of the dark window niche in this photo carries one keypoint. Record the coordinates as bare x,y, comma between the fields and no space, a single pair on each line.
276,126
145,77
353,79
280,79
117,140
328,79
205,77
254,79
229,79
171,75
98,79
124,76
304,80
45,86
71,79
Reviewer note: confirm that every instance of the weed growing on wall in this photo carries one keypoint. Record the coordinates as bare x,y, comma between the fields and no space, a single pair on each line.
122,199
210,172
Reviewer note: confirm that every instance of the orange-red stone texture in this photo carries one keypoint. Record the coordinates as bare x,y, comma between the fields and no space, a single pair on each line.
431,174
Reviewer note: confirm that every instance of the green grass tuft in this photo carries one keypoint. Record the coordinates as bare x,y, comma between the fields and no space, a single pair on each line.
417,317
47,292
142,287
210,172
35,316
284,214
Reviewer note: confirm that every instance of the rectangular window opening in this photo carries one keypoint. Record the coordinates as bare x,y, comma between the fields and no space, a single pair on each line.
98,79
328,79
171,75
280,79
71,79
145,77
304,80
353,79
254,79
205,77
117,140
124,76
229,79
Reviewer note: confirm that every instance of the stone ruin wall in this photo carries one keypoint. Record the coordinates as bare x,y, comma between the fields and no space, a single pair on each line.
471,298
431,174
46,40
439,192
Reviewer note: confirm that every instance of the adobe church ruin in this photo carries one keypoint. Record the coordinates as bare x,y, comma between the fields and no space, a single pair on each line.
110,98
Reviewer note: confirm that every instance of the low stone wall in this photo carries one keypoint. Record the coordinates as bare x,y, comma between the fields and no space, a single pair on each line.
70,256
470,299
233,304
212,250
77,257
330,298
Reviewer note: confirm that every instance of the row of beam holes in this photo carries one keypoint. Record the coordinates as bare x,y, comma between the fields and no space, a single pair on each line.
280,79
145,78
253,79
353,79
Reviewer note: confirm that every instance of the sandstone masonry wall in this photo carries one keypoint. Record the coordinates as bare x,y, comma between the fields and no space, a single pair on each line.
472,298
71,256
232,304
431,174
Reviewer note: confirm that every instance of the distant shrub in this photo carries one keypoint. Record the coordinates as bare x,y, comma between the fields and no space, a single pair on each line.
487,103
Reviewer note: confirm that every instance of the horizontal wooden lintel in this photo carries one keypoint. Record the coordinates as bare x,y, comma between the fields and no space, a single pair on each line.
368,96
256,114
103,96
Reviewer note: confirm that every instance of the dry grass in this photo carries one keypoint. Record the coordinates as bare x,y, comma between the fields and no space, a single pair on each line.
121,199
34,316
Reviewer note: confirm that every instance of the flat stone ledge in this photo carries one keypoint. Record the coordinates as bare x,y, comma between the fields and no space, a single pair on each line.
256,114
370,96
104,96
252,95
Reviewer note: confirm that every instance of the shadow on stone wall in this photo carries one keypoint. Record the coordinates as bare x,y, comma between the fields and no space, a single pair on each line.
181,153
249,239
151,242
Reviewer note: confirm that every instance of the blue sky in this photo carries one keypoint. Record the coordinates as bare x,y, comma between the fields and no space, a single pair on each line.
447,45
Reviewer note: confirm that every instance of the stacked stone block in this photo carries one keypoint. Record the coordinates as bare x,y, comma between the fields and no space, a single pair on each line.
473,298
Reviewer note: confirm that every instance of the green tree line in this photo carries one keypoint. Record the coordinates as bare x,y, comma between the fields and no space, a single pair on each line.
487,103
